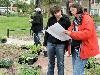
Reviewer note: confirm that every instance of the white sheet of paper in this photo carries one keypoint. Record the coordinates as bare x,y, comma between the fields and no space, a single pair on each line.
57,30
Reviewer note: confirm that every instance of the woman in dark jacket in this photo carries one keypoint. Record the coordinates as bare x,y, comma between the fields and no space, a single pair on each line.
54,45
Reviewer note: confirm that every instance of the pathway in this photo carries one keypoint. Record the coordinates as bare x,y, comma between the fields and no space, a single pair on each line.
43,61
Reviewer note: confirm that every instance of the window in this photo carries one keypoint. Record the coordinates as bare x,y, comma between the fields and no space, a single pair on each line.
94,11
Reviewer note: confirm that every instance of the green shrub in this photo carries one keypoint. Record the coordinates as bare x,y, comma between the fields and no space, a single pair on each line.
35,49
90,63
5,63
27,70
92,68
93,71
27,47
26,56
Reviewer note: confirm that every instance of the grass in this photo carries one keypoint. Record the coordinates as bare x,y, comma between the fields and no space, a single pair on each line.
15,23
12,23
98,23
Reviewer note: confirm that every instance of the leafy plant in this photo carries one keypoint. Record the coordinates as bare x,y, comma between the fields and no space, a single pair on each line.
27,47
92,68
27,70
35,49
26,56
5,63
90,63
93,71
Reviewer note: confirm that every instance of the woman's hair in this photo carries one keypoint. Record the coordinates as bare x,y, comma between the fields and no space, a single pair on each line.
78,7
55,9
85,9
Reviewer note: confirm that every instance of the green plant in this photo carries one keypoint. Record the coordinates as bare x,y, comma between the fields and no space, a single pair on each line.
25,47
6,63
90,63
92,68
27,70
26,56
31,56
93,71
35,49
39,48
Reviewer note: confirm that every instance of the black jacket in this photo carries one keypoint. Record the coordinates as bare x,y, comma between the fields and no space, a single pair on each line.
37,23
65,23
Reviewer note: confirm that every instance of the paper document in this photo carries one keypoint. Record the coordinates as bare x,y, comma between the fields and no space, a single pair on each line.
57,31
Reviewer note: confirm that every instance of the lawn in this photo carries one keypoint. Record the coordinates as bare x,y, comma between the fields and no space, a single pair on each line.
16,23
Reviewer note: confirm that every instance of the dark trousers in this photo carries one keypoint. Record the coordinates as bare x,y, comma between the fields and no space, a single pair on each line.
37,38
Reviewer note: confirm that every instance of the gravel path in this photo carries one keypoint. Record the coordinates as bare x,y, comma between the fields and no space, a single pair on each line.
19,42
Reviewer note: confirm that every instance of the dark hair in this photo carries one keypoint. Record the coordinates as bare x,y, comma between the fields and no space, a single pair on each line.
85,9
69,12
55,9
78,7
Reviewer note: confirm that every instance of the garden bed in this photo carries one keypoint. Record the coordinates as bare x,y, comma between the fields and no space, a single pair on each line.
13,52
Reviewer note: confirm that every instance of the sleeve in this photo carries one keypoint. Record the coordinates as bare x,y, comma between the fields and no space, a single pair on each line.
42,21
46,35
34,20
85,33
68,23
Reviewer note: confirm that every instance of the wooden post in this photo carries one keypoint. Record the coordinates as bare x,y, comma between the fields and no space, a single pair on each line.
8,33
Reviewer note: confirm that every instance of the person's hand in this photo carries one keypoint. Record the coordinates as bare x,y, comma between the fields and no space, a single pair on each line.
67,32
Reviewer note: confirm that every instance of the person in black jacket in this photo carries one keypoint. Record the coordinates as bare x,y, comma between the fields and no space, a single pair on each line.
55,47
37,25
